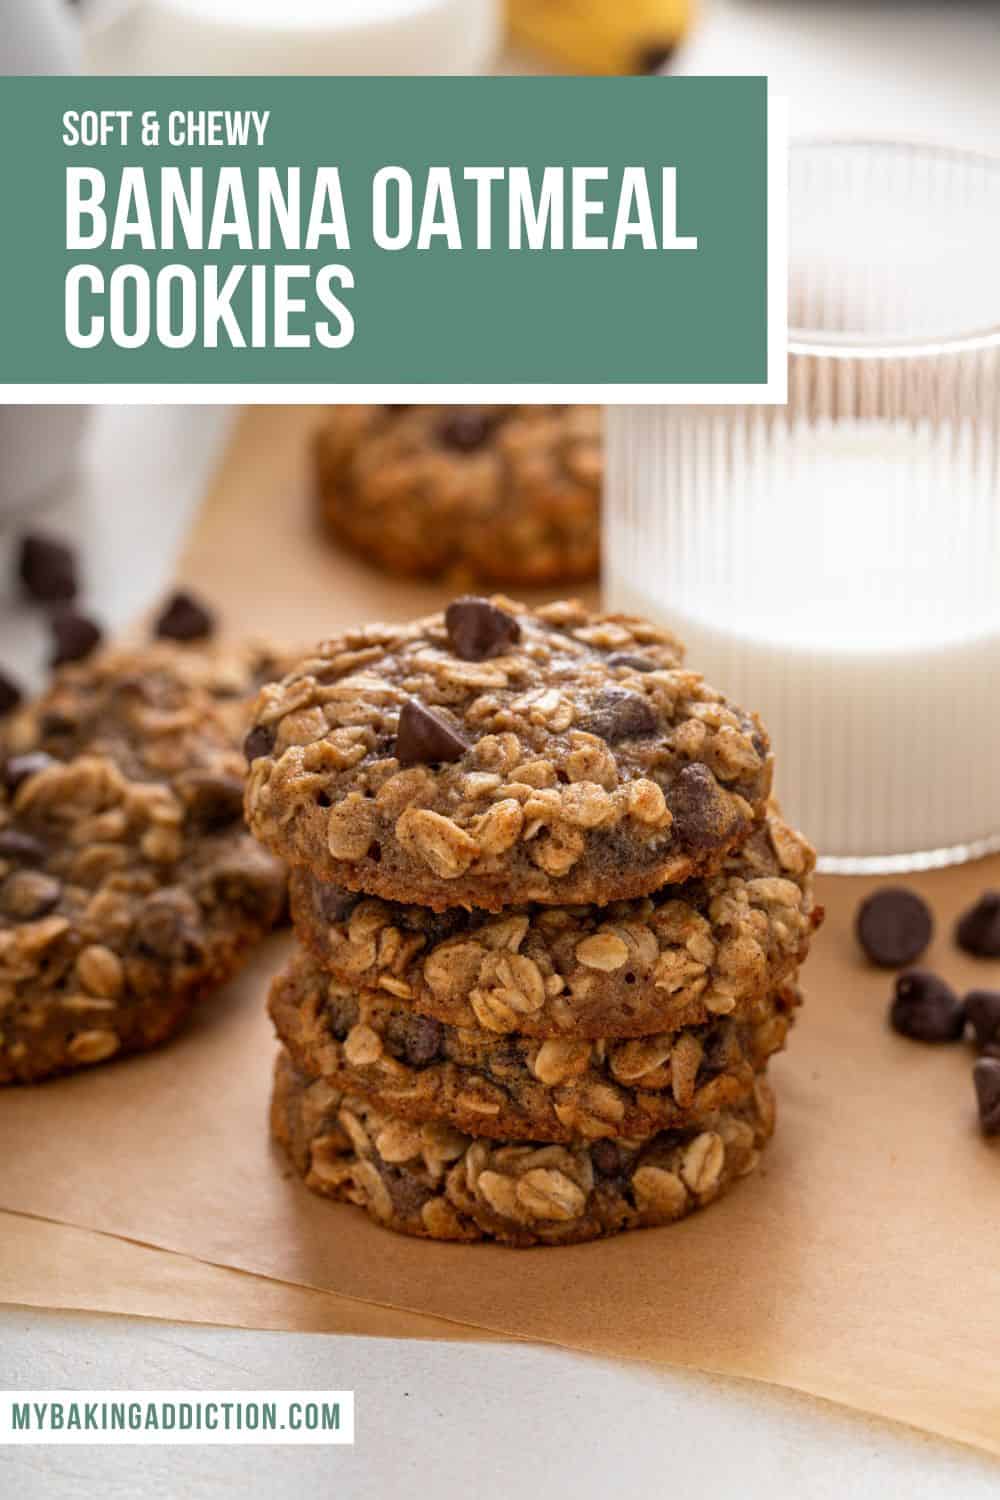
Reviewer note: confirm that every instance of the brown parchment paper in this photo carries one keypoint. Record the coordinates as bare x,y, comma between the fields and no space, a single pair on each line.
859,1265
43,1264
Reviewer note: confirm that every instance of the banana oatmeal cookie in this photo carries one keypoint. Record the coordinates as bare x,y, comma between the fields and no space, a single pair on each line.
494,755
129,886
431,1180
672,959
518,1087
499,494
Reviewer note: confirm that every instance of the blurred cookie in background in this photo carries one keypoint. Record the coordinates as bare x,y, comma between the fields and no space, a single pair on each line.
496,494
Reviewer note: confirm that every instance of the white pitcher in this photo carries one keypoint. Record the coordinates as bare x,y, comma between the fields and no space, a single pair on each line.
325,37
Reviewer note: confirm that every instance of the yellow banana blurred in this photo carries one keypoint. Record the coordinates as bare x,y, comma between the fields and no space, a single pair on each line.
601,36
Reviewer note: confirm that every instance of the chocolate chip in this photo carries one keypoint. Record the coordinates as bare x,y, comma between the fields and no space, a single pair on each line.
466,429
47,568
478,629
184,618
160,928
421,1040
29,894
894,926
333,904
423,738
616,714
653,56
926,1009
697,809
10,694
606,1158
626,659
407,1192
21,847
978,930
986,1077
982,1010
19,768
74,637
260,741
213,800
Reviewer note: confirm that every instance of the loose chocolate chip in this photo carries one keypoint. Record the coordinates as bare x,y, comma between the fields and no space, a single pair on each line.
333,904
986,1077
21,848
982,1010
466,429
626,659
421,1040
18,768
654,56
616,714
260,741
894,926
10,694
184,618
29,894
606,1158
697,809
74,637
423,738
478,629
978,930
926,1009
213,800
47,568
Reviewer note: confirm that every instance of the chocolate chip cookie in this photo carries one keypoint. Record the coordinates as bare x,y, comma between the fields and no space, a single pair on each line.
519,1087
497,494
129,886
494,755
433,1181
672,959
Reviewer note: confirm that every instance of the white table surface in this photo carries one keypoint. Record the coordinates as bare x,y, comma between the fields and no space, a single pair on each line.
495,1419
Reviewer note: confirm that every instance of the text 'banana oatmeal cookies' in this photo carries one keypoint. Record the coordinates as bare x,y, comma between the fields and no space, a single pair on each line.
550,923
488,494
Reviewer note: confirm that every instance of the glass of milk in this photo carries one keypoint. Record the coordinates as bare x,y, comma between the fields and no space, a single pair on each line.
835,563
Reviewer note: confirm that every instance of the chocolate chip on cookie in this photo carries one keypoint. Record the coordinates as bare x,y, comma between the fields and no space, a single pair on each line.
259,741
20,848
926,1009
699,813
47,568
478,629
986,1078
74,637
617,714
631,660
184,618
465,429
894,926
424,738
978,930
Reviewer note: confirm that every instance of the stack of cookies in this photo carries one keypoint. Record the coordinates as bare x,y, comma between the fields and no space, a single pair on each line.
549,923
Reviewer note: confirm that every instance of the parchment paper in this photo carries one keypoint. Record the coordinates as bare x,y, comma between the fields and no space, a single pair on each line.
859,1265
43,1264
